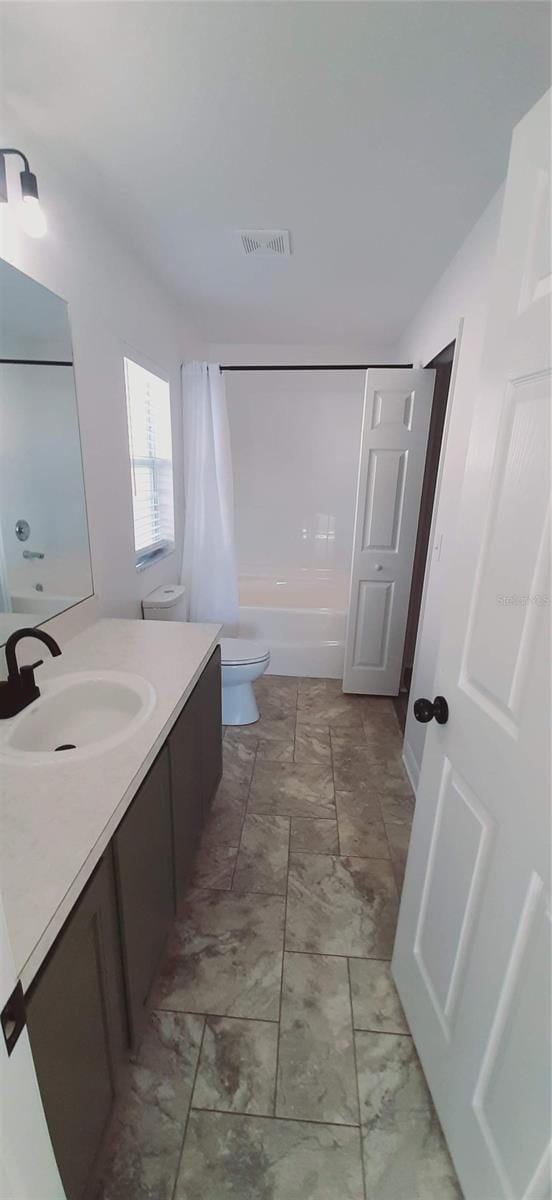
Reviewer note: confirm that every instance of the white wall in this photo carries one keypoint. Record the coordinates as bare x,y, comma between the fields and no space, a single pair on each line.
458,302
295,444
115,306
249,354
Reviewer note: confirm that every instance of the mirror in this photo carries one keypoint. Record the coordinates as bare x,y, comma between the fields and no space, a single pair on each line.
44,551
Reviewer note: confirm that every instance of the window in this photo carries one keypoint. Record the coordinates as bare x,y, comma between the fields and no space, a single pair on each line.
150,442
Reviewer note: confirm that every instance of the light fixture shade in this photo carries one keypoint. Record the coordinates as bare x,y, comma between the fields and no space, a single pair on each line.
29,185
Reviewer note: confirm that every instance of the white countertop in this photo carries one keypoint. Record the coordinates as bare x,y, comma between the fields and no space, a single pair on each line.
57,819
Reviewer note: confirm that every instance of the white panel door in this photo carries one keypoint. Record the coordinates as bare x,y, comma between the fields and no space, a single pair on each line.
395,427
472,955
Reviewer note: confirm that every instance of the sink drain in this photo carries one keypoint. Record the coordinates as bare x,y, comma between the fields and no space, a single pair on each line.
66,746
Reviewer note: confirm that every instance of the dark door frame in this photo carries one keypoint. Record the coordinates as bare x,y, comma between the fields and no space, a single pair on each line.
442,365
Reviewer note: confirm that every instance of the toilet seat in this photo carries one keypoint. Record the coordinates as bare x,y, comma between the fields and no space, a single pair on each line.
241,652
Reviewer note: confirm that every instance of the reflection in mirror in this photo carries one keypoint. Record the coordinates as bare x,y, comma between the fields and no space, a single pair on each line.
44,552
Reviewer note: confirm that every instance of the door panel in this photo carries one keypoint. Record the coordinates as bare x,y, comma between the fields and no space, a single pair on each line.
372,629
456,871
210,713
513,1063
494,666
143,847
76,1029
397,410
472,955
384,499
188,810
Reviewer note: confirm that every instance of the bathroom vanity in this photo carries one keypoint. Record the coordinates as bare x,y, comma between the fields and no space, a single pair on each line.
97,856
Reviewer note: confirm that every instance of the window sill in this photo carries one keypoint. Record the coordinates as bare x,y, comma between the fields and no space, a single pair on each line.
157,556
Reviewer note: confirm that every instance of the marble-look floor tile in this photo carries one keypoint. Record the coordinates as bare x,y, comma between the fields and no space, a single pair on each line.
318,835
276,749
316,1063
384,736
312,744
148,1126
214,866
298,790
323,702
335,711
379,733
364,769
341,906
397,814
344,739
276,696
376,1005
225,957
278,727
238,759
405,1154
237,1068
312,687
277,685
226,817
230,1157
399,871
378,708
263,855
361,828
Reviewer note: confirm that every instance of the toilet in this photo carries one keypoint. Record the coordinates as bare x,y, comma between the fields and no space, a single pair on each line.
242,660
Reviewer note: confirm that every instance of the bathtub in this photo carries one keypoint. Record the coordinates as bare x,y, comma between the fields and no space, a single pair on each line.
302,618
41,604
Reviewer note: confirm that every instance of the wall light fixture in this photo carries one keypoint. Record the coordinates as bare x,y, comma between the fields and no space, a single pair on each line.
31,216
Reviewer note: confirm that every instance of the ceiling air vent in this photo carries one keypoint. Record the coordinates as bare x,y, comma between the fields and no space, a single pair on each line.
266,241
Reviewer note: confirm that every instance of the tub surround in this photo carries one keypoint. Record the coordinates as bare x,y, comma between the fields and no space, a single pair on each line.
57,820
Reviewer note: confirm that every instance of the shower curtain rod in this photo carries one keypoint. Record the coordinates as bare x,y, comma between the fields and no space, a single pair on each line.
319,367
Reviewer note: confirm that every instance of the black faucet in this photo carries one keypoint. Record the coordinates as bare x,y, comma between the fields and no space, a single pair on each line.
20,688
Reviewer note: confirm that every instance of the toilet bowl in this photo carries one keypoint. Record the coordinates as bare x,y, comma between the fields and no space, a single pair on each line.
242,662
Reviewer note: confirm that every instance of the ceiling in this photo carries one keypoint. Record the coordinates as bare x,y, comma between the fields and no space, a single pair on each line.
375,132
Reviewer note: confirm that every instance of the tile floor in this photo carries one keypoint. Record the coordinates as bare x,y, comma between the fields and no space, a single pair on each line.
277,1064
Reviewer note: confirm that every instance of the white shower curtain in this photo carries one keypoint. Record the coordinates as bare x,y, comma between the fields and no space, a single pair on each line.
209,568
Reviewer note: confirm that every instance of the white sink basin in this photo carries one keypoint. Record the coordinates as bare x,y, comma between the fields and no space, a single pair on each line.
76,716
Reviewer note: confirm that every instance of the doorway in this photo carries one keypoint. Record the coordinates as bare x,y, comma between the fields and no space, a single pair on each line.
442,365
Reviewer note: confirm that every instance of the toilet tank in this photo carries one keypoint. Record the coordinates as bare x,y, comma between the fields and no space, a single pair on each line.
167,603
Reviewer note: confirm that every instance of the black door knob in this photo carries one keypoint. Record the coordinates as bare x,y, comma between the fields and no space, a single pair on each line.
425,710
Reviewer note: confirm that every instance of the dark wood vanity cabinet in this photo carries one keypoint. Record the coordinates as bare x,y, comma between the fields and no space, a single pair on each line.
210,703
77,1028
195,751
89,1001
143,854
186,791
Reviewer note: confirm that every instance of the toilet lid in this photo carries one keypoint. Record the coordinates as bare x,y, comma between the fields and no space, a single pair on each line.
240,650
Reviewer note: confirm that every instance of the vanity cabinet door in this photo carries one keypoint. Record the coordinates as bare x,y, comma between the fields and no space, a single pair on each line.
186,791
145,883
76,1023
210,699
